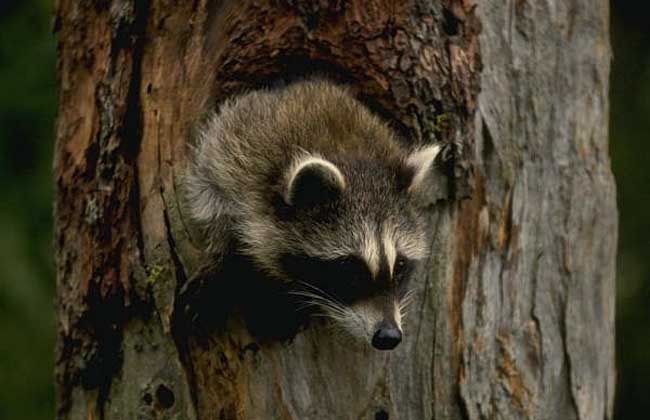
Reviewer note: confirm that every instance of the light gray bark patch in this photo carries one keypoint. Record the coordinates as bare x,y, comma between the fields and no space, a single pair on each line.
540,339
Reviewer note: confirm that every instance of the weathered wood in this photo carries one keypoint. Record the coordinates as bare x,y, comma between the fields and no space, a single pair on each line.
538,311
514,318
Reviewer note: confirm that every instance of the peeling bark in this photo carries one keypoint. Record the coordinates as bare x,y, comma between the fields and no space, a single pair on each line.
514,318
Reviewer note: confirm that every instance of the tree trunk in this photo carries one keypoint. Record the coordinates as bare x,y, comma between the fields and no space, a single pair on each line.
515,310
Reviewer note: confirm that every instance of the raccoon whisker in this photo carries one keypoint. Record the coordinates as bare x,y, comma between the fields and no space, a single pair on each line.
403,310
330,311
406,300
404,304
338,319
402,314
307,293
323,303
322,298
319,291
310,296
403,307
315,298
336,312
327,316
340,328
307,304
346,320
353,321
409,294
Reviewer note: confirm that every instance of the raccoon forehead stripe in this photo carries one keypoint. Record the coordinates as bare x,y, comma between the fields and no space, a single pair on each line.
389,249
370,250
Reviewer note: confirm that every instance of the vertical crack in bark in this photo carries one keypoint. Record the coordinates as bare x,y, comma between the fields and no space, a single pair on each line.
177,330
131,132
465,248
535,317
567,353
180,274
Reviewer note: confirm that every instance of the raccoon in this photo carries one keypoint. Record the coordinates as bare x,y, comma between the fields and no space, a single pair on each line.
319,194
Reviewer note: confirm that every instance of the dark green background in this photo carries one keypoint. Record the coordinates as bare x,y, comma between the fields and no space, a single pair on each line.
27,111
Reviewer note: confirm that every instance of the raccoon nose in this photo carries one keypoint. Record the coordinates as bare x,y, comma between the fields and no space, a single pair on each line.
386,337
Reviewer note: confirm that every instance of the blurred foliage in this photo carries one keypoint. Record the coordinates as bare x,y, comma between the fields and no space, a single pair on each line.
27,111
630,148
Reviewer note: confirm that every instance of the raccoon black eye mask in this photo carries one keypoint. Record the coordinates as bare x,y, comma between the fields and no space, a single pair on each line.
319,195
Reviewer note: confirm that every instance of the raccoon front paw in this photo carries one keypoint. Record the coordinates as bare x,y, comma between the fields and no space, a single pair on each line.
203,305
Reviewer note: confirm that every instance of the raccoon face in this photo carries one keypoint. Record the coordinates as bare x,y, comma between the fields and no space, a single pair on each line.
364,305
351,238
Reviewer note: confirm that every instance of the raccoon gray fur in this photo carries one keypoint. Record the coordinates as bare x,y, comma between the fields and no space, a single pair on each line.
318,193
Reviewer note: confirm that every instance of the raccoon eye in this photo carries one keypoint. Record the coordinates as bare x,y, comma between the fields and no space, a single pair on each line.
402,269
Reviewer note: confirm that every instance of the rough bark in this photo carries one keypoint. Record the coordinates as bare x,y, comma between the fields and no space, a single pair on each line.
514,316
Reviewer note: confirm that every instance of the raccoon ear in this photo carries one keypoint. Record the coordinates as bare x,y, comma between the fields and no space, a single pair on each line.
419,165
312,180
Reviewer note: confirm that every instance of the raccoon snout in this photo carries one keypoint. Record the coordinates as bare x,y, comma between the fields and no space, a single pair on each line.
387,337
